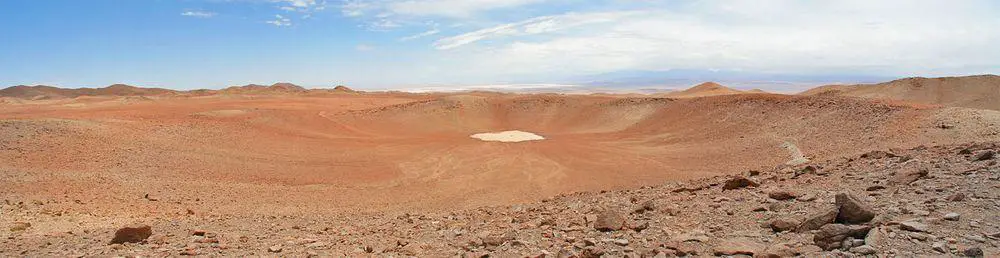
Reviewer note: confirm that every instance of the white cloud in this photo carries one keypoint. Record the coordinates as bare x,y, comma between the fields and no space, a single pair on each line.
452,8
199,14
354,8
280,21
891,36
364,47
407,12
304,6
420,35
531,26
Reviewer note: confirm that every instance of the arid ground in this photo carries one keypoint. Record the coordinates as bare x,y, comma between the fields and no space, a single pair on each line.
255,167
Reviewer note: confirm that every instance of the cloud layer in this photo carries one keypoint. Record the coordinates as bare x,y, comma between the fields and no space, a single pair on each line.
779,36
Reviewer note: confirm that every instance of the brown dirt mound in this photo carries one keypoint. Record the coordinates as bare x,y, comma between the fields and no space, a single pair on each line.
980,91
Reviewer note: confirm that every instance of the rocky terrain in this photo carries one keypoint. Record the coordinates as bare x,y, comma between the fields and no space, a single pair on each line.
925,201
979,91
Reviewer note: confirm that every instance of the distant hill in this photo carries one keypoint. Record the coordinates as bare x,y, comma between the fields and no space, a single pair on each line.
979,91
704,90
50,92
281,87
342,88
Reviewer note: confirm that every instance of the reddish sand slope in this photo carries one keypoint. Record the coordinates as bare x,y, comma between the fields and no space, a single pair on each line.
981,91
293,154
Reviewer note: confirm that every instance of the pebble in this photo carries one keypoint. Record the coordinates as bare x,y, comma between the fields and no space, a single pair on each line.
952,216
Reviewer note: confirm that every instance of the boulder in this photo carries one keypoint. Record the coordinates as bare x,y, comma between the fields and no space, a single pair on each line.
783,224
852,210
817,219
609,220
132,234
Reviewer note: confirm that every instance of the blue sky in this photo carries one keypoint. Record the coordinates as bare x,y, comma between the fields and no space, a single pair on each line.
186,44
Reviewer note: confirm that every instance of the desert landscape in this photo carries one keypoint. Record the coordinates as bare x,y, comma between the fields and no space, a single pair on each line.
903,168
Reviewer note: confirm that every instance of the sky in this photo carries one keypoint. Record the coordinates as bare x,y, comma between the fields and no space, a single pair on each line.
442,44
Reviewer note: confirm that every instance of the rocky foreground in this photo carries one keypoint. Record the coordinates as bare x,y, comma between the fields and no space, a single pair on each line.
927,201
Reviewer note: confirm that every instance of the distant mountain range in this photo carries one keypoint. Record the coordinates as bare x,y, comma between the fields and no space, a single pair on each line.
682,78
978,91
51,92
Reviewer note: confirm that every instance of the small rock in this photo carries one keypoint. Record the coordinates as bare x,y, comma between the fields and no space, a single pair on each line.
864,250
919,236
973,252
20,226
807,198
852,210
783,224
816,220
909,173
198,232
609,220
639,226
274,249
874,188
781,195
941,247
952,216
696,236
984,155
957,197
778,250
913,225
649,205
132,234
873,238
621,242
832,236
738,247
499,240
975,238
738,182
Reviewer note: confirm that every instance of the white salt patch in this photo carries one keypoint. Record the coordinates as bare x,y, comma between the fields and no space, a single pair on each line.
508,136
